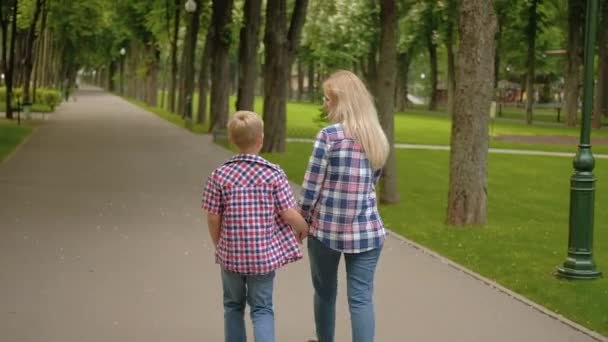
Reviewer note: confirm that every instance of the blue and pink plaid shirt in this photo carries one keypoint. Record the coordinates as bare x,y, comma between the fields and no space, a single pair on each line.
249,193
339,194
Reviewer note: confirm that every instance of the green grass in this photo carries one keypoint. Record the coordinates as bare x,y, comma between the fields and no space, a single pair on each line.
420,126
171,117
11,135
36,108
527,232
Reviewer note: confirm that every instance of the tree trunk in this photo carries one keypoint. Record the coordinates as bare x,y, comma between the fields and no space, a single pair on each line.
432,48
275,76
220,84
371,74
451,85
497,62
467,197
300,79
248,53
281,45
403,65
40,44
601,95
203,78
532,29
11,64
387,65
152,76
311,80
29,50
574,63
173,85
187,82
4,21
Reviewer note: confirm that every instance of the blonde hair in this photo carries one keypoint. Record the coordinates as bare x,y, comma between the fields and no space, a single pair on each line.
245,128
352,105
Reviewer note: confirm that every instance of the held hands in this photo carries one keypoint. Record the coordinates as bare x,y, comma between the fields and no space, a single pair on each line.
301,232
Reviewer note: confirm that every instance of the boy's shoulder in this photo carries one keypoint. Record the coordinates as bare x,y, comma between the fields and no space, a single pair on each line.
233,165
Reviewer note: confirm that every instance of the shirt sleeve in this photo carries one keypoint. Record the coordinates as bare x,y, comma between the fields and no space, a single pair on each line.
314,176
283,197
212,197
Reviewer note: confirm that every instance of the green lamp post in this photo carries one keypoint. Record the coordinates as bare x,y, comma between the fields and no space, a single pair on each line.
579,263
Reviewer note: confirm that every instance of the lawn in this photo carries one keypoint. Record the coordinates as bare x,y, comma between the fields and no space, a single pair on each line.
527,232
420,126
36,108
11,135
173,118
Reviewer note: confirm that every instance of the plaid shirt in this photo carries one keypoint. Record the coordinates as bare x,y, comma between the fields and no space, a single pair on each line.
339,194
249,193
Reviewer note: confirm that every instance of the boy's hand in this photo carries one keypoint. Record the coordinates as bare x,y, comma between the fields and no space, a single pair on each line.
301,234
296,221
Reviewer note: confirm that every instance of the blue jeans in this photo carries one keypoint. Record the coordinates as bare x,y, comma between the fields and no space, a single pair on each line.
360,269
255,290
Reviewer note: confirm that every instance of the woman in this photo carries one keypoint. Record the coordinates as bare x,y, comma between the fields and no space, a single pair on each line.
339,203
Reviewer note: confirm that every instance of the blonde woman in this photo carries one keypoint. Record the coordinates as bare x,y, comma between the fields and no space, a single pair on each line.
339,203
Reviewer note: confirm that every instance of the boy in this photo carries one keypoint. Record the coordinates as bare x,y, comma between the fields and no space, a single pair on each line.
249,204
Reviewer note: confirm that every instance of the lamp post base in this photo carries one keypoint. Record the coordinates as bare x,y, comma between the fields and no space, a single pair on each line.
578,269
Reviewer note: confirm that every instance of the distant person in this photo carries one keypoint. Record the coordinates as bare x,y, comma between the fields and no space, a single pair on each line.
339,202
249,205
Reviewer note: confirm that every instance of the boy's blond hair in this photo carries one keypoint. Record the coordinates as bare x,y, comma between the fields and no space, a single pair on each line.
245,128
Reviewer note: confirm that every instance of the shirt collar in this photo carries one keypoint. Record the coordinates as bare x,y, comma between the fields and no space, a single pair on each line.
251,158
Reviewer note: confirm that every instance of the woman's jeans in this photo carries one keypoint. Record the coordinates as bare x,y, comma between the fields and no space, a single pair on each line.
255,290
360,269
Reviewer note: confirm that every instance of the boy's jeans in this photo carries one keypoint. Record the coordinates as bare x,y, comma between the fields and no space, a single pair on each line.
360,268
255,290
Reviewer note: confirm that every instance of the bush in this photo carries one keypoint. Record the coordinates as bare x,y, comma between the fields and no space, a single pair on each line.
45,96
50,97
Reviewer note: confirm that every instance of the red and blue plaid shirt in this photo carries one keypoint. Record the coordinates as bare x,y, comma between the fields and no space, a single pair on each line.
249,193
339,194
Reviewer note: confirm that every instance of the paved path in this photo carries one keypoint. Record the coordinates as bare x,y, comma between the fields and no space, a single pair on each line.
102,240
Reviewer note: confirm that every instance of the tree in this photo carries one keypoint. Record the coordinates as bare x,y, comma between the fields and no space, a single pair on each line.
451,21
573,72
601,99
467,197
173,84
385,90
29,50
203,78
220,84
187,80
531,31
281,46
248,53
9,11
431,27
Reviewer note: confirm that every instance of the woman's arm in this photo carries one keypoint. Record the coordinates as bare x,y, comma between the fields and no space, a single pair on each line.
315,175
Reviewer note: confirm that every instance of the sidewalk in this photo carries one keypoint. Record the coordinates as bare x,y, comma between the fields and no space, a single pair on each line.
103,240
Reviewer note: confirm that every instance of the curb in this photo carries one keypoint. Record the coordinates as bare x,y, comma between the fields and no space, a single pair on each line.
596,336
